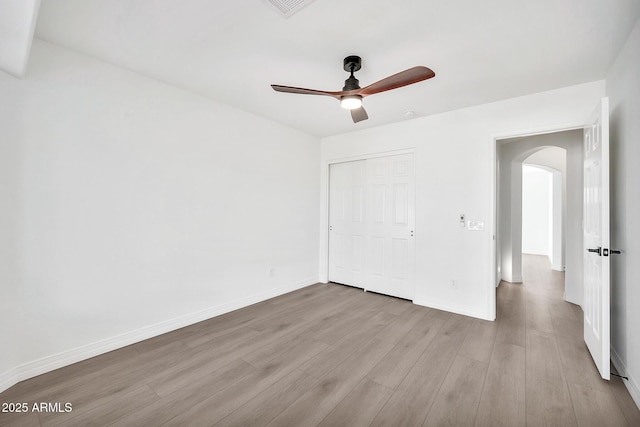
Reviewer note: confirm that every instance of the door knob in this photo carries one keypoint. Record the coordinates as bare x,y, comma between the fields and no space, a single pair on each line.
597,251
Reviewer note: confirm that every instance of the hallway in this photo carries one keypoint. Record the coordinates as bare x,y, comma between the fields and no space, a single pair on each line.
540,335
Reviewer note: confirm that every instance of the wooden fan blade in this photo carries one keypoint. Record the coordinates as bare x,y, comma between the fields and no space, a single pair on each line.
359,114
303,91
403,78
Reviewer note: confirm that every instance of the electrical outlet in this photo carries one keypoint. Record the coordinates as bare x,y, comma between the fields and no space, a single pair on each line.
272,271
454,283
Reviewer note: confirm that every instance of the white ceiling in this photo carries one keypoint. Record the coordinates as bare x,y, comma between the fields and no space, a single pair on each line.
231,51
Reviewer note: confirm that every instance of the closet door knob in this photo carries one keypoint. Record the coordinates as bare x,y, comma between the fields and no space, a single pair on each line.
597,250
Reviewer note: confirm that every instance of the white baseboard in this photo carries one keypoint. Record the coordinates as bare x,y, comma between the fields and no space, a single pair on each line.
8,378
512,279
536,253
452,309
571,300
631,383
49,363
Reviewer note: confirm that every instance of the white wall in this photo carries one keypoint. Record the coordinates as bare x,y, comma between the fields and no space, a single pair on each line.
554,159
135,208
10,285
455,155
17,25
536,208
550,157
623,89
558,213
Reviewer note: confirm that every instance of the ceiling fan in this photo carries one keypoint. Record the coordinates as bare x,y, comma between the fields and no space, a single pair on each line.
351,95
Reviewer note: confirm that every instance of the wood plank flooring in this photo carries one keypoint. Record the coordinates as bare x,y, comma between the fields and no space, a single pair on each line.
332,355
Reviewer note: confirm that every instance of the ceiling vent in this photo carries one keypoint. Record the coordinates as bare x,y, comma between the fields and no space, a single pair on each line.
287,8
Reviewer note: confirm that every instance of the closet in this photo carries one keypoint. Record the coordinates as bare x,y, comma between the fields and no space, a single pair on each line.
372,224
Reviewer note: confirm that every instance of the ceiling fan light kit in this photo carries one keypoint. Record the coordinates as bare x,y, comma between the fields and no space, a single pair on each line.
351,102
351,95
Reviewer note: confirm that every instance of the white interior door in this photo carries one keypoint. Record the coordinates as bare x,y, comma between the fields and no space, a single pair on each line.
347,222
371,224
596,238
390,225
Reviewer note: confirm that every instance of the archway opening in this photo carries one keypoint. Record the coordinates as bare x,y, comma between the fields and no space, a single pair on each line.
557,158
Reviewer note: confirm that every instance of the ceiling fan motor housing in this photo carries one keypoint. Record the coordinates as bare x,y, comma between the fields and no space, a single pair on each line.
351,84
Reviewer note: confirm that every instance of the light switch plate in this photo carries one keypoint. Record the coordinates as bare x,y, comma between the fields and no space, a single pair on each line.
475,225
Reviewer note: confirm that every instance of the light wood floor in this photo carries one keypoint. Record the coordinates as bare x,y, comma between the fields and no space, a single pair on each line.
332,355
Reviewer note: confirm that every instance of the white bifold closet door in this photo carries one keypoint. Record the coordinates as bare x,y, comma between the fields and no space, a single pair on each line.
347,222
371,224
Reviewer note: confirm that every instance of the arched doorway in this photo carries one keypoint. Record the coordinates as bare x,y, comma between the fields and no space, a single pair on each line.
512,153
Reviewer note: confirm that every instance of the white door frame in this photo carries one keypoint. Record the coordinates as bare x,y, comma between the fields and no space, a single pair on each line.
324,217
493,242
